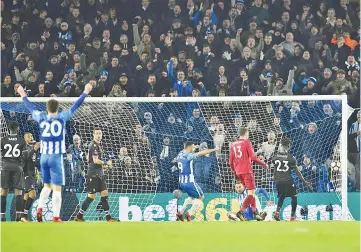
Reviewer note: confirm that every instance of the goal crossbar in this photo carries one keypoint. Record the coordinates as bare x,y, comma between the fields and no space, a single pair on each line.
342,98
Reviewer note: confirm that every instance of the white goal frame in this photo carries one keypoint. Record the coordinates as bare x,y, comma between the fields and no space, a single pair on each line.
341,98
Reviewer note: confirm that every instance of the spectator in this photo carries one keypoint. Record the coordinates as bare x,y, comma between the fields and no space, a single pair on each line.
76,164
340,85
204,170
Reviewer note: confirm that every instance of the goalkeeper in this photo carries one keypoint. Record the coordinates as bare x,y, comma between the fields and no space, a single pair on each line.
248,213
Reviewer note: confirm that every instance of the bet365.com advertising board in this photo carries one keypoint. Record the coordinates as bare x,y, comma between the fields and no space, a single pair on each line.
216,206
163,207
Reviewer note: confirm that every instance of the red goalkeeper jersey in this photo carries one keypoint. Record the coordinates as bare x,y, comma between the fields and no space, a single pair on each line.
241,157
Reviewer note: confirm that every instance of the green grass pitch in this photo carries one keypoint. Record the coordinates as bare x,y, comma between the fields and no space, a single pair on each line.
178,236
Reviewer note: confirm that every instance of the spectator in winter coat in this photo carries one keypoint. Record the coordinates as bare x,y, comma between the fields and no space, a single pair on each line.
240,86
340,85
65,35
143,42
195,125
117,91
251,43
7,88
289,44
204,170
279,88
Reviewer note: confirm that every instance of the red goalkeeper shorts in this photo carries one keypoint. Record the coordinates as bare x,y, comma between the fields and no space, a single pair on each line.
247,180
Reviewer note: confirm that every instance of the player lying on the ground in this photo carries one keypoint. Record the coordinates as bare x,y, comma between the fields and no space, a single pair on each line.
29,169
187,182
248,213
52,138
240,160
284,164
95,181
12,147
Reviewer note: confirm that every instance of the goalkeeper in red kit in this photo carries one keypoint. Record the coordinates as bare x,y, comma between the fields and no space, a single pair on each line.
240,161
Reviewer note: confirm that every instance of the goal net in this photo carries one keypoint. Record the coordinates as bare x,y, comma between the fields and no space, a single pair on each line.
143,137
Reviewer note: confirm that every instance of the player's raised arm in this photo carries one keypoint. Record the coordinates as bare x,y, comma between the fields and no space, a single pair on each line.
299,175
36,114
253,156
206,152
88,88
26,101
68,114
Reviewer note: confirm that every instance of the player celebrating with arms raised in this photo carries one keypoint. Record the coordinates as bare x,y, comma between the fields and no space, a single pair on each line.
284,164
240,160
186,178
52,148
95,179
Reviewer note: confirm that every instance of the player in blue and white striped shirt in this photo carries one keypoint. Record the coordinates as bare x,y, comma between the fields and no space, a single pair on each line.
52,148
248,214
186,178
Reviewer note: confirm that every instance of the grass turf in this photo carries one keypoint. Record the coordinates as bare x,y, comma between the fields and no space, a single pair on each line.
177,236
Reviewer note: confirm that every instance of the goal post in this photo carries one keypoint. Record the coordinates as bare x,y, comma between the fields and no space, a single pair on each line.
143,136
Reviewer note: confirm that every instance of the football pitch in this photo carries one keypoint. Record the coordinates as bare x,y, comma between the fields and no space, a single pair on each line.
178,236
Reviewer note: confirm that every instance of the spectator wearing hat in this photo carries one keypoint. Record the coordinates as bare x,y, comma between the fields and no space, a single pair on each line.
65,35
67,90
340,86
279,87
312,87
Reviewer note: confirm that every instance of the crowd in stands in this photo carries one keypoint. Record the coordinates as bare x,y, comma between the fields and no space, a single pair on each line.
172,48
143,48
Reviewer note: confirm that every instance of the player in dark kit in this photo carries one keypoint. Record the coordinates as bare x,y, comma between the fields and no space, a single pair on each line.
29,169
284,164
12,169
95,181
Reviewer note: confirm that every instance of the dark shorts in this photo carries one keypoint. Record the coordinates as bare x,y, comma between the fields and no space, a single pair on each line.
95,184
286,188
247,180
12,179
30,183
